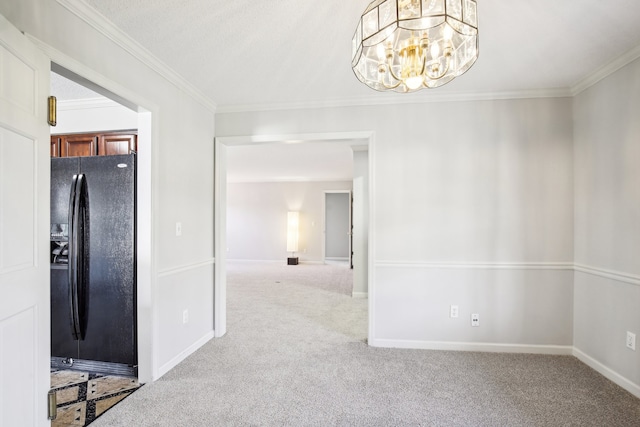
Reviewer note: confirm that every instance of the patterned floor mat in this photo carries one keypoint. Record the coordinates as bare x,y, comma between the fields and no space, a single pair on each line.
82,396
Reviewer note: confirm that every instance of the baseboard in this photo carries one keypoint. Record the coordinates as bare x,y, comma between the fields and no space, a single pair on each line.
608,373
471,346
360,295
183,355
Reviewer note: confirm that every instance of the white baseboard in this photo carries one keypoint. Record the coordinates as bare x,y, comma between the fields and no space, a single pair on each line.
360,295
183,355
608,373
471,346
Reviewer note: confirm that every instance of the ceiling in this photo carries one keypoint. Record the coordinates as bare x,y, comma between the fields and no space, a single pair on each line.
248,54
254,54
67,90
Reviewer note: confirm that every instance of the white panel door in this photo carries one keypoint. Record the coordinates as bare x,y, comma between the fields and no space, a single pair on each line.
24,230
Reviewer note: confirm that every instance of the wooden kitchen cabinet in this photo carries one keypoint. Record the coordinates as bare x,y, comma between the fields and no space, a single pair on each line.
55,146
78,145
112,144
94,144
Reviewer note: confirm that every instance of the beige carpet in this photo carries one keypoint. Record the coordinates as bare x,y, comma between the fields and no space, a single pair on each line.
295,355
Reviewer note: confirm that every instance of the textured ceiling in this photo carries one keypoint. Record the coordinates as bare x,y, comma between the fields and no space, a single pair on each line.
66,90
271,52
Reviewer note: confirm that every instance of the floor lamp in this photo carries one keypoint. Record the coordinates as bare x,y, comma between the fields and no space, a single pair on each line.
293,220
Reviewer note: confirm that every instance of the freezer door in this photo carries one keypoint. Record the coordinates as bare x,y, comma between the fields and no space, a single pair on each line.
62,172
63,344
111,315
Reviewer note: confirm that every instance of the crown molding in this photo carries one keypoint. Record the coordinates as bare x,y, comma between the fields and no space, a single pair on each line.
606,70
388,100
88,103
107,28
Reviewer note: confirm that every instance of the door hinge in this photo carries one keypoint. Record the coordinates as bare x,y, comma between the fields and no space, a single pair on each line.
52,405
53,111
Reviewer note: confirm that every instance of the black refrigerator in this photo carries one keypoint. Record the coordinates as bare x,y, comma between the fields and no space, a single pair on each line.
93,264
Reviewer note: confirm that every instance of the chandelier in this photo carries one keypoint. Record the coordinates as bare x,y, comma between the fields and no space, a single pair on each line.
408,45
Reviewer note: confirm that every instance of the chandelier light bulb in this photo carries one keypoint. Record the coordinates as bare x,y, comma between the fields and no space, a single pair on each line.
409,45
413,83
435,50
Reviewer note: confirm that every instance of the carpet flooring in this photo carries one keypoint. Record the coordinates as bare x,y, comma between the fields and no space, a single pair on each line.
295,355
82,396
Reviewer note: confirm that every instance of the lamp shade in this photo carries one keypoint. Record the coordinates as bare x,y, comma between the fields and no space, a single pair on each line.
293,221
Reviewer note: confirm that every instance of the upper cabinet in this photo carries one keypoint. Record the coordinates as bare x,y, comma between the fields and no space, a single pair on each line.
98,144
78,145
112,144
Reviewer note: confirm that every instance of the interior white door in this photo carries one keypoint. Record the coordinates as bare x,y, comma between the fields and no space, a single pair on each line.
337,225
24,230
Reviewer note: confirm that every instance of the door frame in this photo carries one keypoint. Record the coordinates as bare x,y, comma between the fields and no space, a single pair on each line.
324,223
147,182
362,140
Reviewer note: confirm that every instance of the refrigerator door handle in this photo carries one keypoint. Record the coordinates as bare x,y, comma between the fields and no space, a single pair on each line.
77,250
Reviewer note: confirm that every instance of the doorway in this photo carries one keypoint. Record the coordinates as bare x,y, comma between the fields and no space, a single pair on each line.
93,251
358,141
95,108
338,223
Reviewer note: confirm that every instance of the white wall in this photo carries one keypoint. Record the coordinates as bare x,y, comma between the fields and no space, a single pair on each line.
181,181
473,205
607,222
257,218
360,223
74,116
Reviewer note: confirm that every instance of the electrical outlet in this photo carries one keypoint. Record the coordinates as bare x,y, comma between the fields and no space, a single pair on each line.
178,229
631,340
453,312
185,317
475,320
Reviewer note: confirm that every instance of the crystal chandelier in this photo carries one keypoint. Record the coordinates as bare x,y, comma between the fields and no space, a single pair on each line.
408,45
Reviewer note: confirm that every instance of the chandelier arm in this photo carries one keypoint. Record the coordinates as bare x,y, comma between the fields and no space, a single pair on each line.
424,65
446,70
389,86
425,83
390,68
383,83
